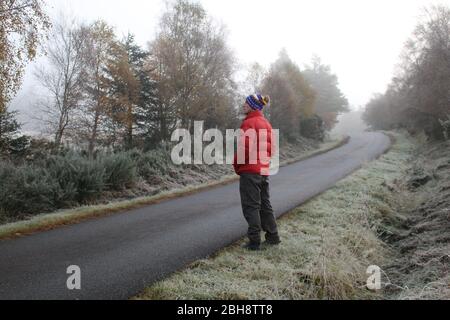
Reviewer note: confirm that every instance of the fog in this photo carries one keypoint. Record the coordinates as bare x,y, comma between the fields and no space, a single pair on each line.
360,40
350,124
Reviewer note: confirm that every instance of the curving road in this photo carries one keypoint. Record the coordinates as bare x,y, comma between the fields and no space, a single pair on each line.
121,254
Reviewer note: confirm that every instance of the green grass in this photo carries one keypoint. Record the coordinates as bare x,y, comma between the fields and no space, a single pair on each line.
328,244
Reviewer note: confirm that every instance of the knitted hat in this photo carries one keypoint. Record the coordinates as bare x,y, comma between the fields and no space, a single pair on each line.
257,101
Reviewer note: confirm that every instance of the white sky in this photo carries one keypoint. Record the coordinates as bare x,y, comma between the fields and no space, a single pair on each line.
360,39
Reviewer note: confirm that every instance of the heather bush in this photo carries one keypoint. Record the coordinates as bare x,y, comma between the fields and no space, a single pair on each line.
120,170
25,190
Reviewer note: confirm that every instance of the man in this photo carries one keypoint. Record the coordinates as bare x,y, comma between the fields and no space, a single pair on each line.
254,173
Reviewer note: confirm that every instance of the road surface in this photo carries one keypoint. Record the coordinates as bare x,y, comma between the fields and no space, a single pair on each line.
121,254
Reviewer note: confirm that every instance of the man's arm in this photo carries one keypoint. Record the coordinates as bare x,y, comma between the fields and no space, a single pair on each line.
243,141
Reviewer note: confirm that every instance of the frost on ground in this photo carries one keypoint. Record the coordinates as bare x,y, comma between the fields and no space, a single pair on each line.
421,235
370,218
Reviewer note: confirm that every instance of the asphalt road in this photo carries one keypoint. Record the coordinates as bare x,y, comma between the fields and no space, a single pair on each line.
121,254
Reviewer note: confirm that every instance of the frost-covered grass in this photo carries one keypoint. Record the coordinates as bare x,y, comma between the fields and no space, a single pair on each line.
421,236
328,244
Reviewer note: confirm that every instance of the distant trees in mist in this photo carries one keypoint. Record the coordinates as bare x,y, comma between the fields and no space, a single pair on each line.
102,91
418,98
292,98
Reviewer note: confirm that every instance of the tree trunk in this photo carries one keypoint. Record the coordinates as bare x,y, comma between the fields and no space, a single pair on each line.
93,138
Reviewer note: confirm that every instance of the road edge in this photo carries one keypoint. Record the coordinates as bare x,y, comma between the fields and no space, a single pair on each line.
51,221
285,215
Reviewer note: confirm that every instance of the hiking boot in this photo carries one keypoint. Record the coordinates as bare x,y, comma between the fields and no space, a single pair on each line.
251,246
272,242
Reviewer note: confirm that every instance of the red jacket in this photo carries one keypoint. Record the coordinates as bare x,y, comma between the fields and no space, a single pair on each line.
255,120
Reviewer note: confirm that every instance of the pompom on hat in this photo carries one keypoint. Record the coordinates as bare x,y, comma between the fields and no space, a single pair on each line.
257,101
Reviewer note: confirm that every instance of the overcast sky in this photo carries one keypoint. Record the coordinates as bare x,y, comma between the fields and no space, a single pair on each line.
360,39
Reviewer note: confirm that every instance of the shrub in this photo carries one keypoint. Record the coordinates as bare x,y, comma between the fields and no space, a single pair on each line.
78,179
120,170
25,190
313,128
153,163
57,181
64,173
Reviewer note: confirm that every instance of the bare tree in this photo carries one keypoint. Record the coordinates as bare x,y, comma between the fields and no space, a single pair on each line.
193,65
419,96
428,63
13,6
63,77
97,54
292,97
254,79
330,101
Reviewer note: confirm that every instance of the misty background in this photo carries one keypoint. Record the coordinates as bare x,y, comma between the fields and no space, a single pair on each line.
360,40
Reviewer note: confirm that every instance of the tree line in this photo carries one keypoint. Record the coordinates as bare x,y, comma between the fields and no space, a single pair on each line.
109,105
102,91
418,97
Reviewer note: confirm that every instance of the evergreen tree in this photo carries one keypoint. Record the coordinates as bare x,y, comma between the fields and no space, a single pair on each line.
11,140
132,92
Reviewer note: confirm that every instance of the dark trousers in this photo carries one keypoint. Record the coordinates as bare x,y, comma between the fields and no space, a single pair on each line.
258,212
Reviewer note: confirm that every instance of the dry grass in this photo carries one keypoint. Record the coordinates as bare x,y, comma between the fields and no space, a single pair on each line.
328,244
51,221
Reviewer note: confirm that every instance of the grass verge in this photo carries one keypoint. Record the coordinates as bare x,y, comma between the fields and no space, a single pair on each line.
61,218
328,244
